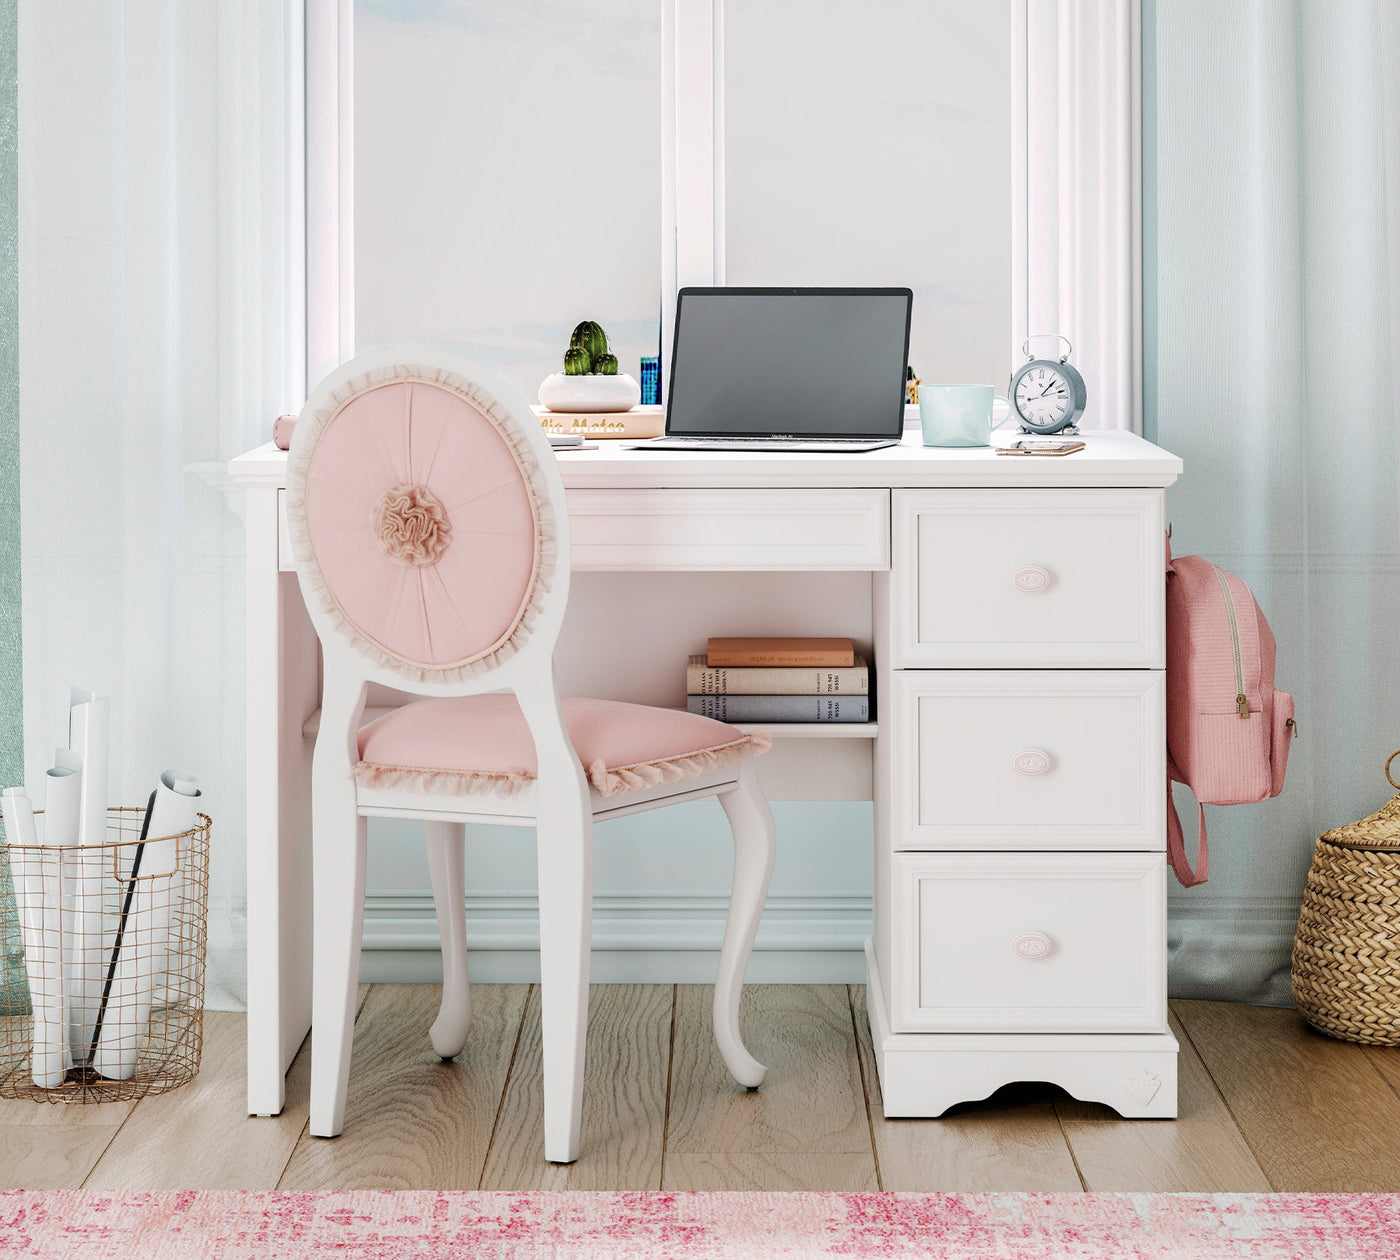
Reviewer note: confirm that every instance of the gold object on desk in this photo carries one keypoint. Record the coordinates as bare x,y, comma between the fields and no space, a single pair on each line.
639,422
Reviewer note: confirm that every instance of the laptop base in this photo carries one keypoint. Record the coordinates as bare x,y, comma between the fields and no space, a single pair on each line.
851,446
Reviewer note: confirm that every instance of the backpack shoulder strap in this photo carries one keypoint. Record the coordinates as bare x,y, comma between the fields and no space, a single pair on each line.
1176,840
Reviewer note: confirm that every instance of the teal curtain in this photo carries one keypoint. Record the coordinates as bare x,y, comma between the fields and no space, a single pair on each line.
1272,367
11,724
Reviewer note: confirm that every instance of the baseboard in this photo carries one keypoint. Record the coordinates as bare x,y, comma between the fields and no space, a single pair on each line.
1218,947
1231,948
641,937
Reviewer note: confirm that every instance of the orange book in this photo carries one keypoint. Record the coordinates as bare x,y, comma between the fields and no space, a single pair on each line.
739,653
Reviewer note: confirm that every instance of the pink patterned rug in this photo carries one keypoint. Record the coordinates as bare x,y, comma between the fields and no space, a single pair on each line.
379,1225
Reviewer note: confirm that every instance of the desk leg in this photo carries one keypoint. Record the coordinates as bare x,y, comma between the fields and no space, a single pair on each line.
283,689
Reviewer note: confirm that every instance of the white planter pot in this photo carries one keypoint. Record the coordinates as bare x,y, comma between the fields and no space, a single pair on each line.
559,392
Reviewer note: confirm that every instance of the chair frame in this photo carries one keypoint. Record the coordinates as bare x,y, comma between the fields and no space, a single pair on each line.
560,804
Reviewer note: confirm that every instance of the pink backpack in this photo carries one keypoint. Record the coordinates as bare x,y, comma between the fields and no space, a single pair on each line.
1228,727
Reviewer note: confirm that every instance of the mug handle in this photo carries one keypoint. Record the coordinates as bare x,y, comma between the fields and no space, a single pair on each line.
1010,411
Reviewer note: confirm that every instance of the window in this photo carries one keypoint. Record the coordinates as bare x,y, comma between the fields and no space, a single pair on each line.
516,170
507,173
870,145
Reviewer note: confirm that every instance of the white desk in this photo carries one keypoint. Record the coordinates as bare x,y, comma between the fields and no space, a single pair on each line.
1017,768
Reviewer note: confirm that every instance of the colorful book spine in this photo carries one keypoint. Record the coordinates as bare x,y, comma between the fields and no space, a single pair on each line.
785,653
701,680
651,381
781,708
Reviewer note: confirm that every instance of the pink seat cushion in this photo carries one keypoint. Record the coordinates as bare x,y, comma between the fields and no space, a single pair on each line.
475,743
421,522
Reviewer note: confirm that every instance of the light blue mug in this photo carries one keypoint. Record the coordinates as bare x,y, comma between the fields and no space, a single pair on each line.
959,415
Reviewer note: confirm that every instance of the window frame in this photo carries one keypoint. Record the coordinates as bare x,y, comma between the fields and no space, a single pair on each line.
1076,247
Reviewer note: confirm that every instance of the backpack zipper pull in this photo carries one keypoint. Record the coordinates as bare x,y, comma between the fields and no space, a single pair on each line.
1242,704
1292,727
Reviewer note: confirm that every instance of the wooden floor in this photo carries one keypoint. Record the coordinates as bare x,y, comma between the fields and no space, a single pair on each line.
1266,1104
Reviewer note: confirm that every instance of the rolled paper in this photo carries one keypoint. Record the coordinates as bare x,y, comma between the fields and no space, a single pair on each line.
139,953
87,737
39,894
62,799
62,804
87,949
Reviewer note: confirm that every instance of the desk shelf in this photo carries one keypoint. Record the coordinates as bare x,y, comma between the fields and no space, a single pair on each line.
779,730
813,730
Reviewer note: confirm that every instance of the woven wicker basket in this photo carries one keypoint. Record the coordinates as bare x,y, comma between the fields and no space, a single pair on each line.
1346,954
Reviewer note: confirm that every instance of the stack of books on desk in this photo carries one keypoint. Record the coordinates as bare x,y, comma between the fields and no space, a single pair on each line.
779,680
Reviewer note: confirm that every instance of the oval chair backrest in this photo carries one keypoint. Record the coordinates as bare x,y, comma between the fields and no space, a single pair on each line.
422,517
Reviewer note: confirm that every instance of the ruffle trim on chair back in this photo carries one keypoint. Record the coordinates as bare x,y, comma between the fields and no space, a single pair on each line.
420,522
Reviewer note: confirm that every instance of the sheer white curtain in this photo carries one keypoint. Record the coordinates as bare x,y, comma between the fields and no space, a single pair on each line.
151,329
1273,369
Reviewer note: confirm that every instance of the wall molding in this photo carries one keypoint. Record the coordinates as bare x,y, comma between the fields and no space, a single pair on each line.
692,155
262,222
671,937
1077,193
638,936
329,175
1216,940
675,921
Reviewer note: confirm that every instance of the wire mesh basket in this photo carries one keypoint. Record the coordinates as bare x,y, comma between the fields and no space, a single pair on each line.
108,1004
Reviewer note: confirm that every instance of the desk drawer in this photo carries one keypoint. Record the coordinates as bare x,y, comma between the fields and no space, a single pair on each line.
1029,578
715,529
1029,759
1004,942
660,529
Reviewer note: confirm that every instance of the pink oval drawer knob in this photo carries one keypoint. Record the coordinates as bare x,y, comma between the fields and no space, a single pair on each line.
1032,578
1032,945
1030,761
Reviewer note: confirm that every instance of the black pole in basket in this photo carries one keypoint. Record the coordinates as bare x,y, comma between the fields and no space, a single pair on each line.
121,928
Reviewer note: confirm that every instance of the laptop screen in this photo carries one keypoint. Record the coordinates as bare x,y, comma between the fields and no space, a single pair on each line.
808,363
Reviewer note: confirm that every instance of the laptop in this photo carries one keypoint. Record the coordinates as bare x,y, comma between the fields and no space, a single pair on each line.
816,370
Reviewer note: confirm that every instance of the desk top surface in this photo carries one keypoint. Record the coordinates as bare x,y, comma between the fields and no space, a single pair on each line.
1109,459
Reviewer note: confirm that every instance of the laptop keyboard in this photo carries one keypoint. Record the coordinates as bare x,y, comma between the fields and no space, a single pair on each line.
765,444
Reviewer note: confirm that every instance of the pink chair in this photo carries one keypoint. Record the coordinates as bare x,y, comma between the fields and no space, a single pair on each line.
431,539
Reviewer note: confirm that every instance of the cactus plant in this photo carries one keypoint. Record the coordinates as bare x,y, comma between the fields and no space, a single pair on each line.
605,364
589,336
577,361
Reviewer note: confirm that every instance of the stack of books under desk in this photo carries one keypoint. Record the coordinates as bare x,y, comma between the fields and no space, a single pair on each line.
779,681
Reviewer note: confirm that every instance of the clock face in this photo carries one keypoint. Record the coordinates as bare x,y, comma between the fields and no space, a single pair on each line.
1044,396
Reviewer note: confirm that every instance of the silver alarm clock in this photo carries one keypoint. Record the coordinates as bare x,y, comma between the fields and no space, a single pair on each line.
1048,394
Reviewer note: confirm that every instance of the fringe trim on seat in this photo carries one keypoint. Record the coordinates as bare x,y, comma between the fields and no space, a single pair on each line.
645,774
372,774
634,778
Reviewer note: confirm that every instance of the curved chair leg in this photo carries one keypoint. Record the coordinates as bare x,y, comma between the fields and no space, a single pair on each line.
339,905
446,842
755,843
